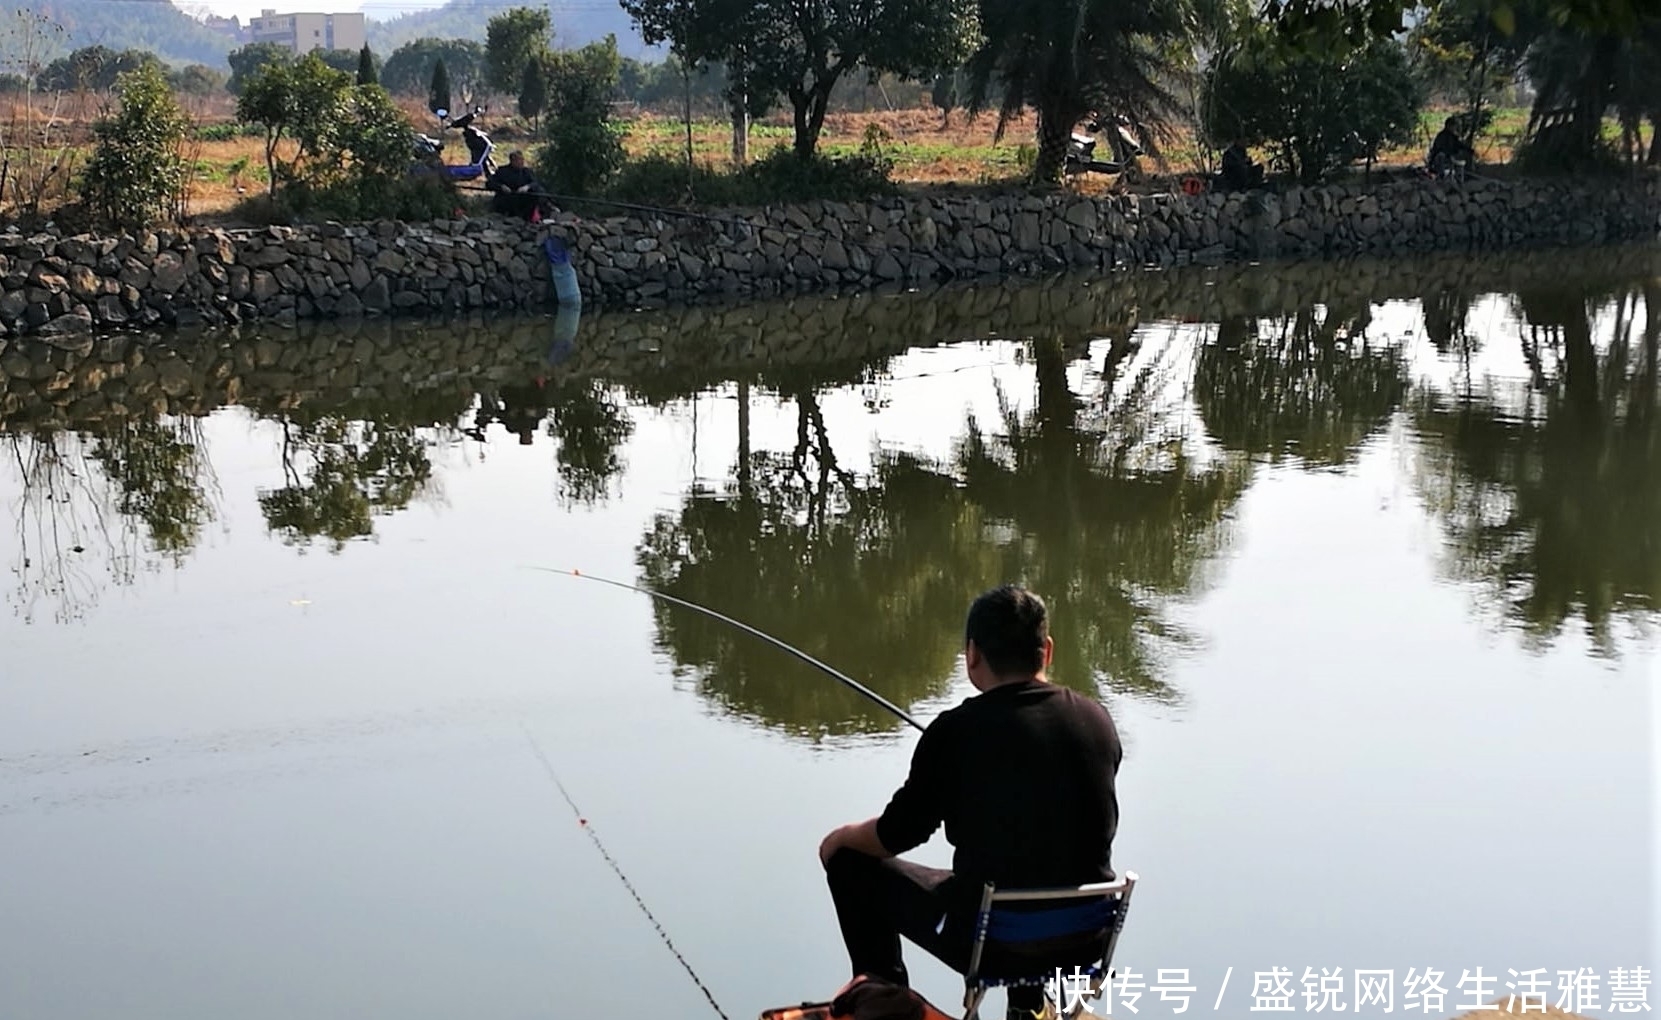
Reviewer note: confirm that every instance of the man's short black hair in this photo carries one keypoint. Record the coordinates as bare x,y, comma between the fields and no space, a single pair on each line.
1009,624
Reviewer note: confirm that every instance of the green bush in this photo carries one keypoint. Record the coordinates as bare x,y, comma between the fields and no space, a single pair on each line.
779,177
659,178
228,132
1318,109
136,173
584,150
411,199
783,176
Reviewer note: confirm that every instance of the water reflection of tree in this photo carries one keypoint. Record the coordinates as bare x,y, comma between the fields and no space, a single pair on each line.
591,423
1111,515
160,470
1550,500
98,503
340,474
866,573
1303,385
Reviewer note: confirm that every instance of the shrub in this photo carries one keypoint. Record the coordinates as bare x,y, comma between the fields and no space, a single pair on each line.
137,172
584,150
783,176
1319,109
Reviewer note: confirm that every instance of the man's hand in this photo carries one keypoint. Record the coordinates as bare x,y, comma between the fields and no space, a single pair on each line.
860,836
523,188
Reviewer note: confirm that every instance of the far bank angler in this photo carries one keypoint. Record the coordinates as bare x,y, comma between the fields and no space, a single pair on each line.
57,285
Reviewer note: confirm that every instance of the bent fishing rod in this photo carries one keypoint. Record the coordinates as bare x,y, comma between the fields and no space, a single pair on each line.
834,674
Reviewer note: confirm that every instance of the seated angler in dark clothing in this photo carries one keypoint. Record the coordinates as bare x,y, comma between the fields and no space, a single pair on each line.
1022,777
515,188
1239,173
1447,149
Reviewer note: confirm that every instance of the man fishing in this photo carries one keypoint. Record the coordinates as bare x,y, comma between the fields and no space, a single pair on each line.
1021,775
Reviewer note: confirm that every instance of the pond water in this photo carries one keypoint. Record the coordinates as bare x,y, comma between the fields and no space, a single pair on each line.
1364,558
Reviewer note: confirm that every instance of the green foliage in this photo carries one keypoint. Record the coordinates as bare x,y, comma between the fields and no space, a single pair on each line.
198,80
302,101
1318,111
229,132
408,198
533,93
368,71
344,61
409,70
785,176
371,136
1069,59
513,39
136,172
584,148
91,69
248,60
780,177
438,90
771,47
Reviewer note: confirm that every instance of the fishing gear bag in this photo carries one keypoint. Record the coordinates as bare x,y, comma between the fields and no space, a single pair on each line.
863,998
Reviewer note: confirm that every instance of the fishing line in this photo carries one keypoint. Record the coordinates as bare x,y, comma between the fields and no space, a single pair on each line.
594,837
770,639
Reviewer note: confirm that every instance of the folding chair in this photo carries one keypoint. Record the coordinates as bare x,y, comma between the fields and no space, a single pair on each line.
1103,910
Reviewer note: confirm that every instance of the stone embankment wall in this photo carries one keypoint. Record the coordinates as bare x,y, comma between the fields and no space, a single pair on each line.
425,373
64,285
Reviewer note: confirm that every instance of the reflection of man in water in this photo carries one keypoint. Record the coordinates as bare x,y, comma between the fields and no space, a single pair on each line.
1021,775
520,409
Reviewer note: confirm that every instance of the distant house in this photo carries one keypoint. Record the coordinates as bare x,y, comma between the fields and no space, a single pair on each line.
303,33
230,27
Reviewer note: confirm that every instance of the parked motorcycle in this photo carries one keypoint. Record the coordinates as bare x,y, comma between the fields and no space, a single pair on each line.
429,149
1081,149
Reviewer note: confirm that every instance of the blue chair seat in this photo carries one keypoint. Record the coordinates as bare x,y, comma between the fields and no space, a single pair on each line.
1024,946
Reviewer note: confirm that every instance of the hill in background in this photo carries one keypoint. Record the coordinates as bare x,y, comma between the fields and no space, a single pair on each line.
154,25
575,22
177,38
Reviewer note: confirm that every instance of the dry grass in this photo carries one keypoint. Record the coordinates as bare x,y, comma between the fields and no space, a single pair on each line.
925,147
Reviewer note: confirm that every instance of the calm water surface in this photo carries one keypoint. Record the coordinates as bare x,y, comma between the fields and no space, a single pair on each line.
1364,559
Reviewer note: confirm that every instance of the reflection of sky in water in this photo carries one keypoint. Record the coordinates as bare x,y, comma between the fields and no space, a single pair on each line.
278,783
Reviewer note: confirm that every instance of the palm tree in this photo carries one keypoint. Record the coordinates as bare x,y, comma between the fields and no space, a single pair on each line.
1069,59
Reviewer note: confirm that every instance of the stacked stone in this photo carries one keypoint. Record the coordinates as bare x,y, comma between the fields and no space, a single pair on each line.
66,285
355,366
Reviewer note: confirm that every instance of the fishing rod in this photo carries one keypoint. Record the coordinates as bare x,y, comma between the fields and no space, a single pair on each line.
617,869
741,625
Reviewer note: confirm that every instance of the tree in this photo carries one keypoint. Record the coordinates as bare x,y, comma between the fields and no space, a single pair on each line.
136,170
250,58
198,80
366,66
533,94
92,69
514,38
1068,59
584,148
303,101
409,69
1462,51
1319,111
344,61
438,91
803,50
